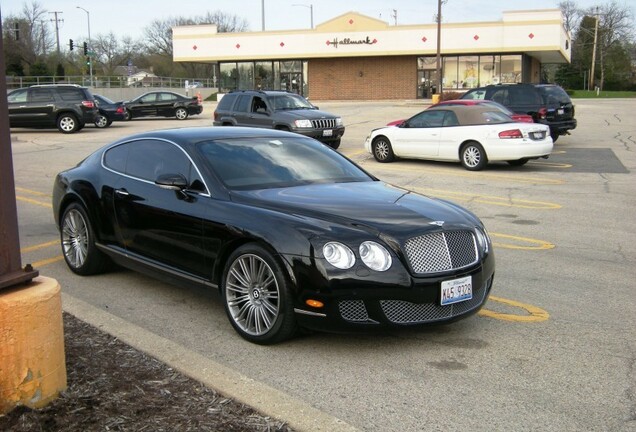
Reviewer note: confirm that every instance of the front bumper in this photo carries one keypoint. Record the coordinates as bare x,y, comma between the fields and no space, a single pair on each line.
359,301
322,135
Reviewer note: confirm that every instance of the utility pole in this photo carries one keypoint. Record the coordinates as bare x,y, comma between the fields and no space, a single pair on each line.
438,66
594,50
394,16
57,29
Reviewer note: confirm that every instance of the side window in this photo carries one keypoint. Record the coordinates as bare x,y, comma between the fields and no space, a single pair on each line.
450,119
501,96
166,97
41,95
70,94
17,96
243,103
226,102
149,98
258,104
115,158
148,159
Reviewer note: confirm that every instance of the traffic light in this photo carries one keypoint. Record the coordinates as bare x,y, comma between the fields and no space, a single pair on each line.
88,61
70,44
85,48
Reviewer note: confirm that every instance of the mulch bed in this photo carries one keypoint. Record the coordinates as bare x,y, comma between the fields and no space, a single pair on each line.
114,387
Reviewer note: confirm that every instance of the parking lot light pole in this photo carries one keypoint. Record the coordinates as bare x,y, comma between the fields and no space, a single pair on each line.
311,11
88,53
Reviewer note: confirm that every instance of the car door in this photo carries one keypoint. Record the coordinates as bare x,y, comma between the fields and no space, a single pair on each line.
157,224
18,108
36,111
145,106
419,136
242,110
166,104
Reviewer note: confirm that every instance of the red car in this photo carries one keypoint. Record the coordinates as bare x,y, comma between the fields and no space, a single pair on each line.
521,118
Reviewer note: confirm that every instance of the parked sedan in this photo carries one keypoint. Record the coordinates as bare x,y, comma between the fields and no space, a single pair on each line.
292,233
473,135
109,111
522,118
163,104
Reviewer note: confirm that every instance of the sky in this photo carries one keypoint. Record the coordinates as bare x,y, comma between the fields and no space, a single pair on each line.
129,18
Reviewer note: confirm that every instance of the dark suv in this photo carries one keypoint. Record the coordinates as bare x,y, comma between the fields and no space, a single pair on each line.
279,110
546,103
65,106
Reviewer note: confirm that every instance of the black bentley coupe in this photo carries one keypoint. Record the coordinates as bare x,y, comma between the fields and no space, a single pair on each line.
292,233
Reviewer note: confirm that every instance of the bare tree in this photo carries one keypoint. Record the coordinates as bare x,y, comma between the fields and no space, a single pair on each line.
571,14
616,26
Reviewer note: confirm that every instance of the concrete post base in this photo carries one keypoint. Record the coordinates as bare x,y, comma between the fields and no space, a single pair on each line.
32,363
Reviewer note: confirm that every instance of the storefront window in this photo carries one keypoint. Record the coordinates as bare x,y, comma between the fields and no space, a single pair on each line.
489,70
450,76
246,76
228,77
264,76
468,72
511,69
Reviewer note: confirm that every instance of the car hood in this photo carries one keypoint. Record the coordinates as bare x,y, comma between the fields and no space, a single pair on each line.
310,114
373,206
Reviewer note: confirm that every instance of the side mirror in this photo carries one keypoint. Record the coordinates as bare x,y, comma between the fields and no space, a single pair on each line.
176,182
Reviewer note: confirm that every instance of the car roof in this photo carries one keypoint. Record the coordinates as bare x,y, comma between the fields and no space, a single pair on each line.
466,114
191,135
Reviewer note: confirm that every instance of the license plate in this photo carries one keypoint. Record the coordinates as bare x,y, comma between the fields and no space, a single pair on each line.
327,132
560,111
457,290
538,135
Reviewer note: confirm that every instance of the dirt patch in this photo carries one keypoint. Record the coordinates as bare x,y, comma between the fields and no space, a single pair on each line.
113,387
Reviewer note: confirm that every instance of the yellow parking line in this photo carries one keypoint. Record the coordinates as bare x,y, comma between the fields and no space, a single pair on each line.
32,201
39,246
44,262
538,244
480,175
489,199
535,314
552,164
31,192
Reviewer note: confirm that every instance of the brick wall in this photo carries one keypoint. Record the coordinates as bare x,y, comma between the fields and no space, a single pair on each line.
363,78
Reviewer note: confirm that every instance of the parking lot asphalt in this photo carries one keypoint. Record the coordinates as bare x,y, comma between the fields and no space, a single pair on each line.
554,349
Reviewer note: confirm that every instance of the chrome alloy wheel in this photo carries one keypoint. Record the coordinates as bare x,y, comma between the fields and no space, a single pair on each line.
472,156
75,238
382,149
252,294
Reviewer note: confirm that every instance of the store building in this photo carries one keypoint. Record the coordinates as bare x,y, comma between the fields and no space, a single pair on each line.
356,57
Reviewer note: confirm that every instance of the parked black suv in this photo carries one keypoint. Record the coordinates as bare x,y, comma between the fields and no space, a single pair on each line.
546,103
65,106
279,110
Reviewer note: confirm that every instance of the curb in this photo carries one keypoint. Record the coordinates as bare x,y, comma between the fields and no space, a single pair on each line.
269,401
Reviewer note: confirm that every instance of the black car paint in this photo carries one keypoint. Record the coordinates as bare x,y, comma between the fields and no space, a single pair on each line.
113,111
185,237
137,107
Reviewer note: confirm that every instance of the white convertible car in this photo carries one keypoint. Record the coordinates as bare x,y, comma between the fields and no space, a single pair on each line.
472,135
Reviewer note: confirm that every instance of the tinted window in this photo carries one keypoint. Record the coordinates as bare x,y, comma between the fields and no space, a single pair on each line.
226,102
148,159
479,94
523,96
166,97
500,95
41,95
261,163
17,96
71,94
150,98
243,103
554,94
427,119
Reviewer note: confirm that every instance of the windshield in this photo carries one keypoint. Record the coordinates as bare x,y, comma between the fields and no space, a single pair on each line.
263,163
290,102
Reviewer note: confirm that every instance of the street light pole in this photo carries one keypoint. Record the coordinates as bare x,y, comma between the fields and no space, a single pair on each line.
88,52
311,11
594,51
438,66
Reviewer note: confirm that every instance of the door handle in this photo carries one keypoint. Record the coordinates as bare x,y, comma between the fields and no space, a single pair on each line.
122,192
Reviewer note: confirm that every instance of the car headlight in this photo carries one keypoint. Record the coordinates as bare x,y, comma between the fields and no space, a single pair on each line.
303,123
338,121
338,255
375,256
483,239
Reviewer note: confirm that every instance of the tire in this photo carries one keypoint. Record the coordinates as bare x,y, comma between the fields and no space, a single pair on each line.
77,238
101,121
382,150
334,144
181,113
67,123
473,156
127,115
257,296
518,162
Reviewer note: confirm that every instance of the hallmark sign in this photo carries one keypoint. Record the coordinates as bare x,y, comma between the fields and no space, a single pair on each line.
348,41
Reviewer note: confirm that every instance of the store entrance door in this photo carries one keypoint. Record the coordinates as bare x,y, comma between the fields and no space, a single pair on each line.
427,83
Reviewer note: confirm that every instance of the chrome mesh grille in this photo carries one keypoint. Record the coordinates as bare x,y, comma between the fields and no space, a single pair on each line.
324,123
353,310
441,251
403,312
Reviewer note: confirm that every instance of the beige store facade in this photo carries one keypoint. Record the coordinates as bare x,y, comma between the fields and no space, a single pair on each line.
356,57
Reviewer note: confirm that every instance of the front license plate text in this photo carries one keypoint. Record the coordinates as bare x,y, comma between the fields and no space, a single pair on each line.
457,290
